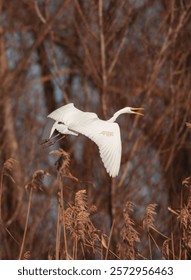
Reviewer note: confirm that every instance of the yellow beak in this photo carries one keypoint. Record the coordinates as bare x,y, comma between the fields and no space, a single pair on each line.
137,111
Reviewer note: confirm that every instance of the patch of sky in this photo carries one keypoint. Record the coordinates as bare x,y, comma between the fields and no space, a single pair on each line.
13,43
138,3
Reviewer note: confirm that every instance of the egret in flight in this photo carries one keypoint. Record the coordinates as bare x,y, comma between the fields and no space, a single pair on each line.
106,134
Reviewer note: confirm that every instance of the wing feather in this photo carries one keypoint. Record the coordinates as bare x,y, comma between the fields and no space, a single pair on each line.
105,134
107,137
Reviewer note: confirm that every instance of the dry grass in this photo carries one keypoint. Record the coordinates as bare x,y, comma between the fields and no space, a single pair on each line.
129,234
6,172
77,237
36,184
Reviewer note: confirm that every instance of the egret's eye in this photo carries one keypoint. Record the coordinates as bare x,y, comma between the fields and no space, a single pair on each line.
60,123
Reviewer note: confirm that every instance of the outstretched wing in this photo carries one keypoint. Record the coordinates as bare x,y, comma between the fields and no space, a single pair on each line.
105,134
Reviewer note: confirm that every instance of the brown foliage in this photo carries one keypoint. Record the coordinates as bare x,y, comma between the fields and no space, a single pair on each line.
101,55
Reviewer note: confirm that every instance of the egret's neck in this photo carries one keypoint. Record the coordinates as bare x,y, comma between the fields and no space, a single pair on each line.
118,113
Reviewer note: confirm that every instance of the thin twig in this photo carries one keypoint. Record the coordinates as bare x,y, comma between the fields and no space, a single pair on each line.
103,59
109,240
26,223
63,216
58,234
41,17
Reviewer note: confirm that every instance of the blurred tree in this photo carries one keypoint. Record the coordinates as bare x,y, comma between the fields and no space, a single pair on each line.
101,55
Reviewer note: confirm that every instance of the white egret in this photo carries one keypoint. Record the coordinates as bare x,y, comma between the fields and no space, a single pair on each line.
106,134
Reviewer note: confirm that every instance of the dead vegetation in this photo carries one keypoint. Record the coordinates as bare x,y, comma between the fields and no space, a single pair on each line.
77,237
101,55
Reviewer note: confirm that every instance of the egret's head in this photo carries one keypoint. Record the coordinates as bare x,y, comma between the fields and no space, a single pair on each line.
137,111
128,110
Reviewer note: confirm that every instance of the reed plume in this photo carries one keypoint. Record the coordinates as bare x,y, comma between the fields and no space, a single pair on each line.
129,234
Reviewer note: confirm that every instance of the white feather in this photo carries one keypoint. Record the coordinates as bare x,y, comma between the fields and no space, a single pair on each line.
106,134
